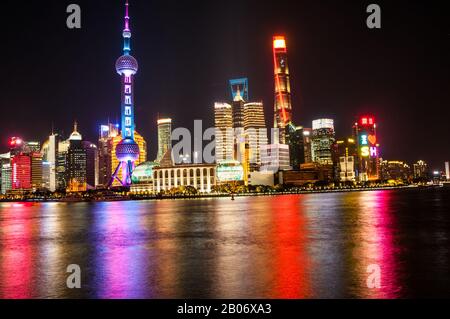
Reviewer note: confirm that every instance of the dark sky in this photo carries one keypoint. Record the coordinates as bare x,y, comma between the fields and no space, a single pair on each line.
188,50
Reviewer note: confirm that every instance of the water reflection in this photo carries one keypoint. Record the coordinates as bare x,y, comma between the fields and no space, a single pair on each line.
120,251
296,246
17,252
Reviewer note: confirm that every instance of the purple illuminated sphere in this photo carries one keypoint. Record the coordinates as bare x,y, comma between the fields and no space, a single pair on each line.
127,150
127,65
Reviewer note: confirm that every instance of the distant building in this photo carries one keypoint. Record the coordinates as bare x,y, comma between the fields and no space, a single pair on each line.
323,138
164,137
36,169
6,173
345,156
421,170
223,118
50,156
275,157
154,177
21,171
256,132
309,173
62,165
295,140
241,86
365,134
307,144
77,163
238,111
92,164
32,147
396,170
447,170
105,153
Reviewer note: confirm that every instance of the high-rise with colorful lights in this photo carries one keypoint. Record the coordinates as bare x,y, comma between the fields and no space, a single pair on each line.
127,151
365,133
282,107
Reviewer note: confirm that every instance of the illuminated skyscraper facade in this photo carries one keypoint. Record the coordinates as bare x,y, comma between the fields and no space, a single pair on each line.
127,151
282,107
62,166
307,135
322,140
223,118
365,133
21,172
76,163
256,132
36,169
6,173
164,137
106,154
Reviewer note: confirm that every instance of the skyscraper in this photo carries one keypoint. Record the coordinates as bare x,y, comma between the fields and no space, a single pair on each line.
365,134
307,134
322,141
92,168
294,138
238,112
36,169
256,132
6,172
164,137
420,170
127,151
51,157
105,153
282,107
21,171
223,118
240,85
62,166
76,160
447,171
345,154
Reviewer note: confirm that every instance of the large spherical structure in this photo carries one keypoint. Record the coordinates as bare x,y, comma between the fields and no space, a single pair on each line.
127,65
127,150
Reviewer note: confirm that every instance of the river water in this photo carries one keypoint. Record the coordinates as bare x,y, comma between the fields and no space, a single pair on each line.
329,245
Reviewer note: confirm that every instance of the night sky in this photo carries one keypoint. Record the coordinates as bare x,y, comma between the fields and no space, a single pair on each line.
188,50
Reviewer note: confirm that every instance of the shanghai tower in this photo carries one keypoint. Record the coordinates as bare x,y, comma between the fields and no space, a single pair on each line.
282,107
127,151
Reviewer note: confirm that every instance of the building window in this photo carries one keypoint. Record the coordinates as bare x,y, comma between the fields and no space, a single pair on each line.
127,110
128,99
128,121
128,79
128,132
128,89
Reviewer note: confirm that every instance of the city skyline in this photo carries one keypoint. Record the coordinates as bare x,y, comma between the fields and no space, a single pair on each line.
308,104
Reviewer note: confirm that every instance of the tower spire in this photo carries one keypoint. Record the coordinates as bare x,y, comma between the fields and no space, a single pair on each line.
127,31
127,17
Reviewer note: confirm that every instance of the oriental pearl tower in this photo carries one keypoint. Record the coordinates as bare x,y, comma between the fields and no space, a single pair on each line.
127,151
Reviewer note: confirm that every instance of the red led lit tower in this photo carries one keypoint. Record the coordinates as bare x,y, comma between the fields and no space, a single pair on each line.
282,107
